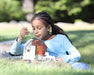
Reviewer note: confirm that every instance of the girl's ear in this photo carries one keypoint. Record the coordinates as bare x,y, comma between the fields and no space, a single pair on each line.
49,26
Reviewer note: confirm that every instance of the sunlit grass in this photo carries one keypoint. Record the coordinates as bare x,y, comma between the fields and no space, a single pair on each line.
83,40
23,68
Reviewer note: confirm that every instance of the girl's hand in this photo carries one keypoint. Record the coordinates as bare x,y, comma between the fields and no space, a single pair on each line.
59,59
24,31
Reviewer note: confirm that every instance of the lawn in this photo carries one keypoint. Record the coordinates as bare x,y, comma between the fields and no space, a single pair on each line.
82,38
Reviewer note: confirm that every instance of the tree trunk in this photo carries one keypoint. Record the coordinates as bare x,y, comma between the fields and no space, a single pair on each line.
28,6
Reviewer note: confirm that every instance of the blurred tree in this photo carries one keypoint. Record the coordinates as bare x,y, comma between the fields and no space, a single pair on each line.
60,10
28,6
67,10
11,10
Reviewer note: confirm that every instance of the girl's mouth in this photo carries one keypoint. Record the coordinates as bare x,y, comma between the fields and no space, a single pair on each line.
37,36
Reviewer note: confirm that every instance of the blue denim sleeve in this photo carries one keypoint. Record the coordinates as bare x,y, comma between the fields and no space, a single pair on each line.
74,54
17,48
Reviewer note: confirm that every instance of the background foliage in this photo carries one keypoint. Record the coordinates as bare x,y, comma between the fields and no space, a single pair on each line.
10,10
67,10
60,10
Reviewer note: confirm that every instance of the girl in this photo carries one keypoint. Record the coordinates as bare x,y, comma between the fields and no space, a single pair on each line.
58,43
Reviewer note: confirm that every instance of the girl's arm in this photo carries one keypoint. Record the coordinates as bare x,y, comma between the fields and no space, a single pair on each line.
17,47
73,54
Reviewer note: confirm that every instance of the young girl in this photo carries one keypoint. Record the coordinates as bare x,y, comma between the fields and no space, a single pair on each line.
58,43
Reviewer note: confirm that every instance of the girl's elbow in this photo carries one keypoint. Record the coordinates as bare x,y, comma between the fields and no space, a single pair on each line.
79,56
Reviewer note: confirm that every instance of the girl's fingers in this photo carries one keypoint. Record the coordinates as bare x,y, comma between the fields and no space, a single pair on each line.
27,32
25,29
59,59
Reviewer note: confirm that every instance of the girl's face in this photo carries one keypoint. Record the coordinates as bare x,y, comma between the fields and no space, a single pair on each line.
39,29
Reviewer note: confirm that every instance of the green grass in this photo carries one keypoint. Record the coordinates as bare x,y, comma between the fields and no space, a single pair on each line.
22,68
8,34
83,40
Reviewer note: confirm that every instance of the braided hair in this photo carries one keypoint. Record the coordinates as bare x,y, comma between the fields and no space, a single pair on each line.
47,20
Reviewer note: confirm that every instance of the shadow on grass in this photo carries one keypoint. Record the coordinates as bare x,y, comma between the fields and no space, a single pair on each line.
11,37
84,40
86,73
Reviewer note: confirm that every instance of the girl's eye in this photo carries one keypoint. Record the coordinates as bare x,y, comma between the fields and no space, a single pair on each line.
33,28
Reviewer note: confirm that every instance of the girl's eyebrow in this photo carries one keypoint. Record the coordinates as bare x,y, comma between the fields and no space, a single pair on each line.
39,26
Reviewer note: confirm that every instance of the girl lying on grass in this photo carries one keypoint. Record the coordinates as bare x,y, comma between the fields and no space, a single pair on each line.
58,43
